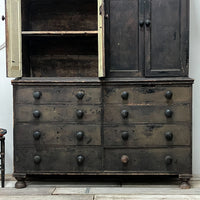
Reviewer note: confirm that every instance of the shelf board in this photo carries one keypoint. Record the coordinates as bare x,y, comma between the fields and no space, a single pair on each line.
56,33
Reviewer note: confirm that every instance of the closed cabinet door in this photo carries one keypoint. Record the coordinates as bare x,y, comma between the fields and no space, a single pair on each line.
124,40
147,38
166,37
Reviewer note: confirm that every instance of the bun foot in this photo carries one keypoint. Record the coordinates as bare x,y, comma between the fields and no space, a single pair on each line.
185,185
20,184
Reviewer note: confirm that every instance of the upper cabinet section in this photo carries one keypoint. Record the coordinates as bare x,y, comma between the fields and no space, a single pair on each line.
147,38
55,38
97,38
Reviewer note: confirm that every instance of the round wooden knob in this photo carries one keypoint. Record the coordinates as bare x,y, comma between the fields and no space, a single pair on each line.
168,160
125,135
168,113
80,159
79,114
80,135
36,135
80,95
37,159
124,159
37,95
36,113
124,95
168,95
124,114
169,136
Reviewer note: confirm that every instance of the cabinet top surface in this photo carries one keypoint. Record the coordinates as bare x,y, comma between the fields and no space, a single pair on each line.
97,81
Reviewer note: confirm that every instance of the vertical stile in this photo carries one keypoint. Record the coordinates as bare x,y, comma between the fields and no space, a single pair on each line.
101,45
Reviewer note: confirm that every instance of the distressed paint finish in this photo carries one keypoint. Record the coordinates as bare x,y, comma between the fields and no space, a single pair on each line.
13,38
101,45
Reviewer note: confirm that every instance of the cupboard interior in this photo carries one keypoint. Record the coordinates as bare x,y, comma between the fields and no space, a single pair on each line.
59,15
63,56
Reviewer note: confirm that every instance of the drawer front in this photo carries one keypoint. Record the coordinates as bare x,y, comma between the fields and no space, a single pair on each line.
53,94
147,135
168,160
147,95
58,160
59,134
58,113
146,114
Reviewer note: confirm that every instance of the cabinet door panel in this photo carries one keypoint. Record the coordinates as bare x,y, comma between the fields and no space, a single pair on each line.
166,38
122,32
13,38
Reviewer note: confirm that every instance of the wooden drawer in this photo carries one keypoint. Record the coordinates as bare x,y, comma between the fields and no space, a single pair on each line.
146,95
57,113
152,160
53,94
56,134
57,160
146,114
147,135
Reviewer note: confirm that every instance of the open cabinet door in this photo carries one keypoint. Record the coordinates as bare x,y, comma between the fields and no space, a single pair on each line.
101,44
13,38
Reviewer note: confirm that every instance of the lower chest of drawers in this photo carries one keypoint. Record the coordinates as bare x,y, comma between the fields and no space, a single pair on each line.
102,128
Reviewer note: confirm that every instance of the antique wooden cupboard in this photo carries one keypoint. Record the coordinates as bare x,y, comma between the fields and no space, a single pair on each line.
102,87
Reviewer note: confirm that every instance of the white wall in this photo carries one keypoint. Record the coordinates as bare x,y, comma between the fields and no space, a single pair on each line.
6,89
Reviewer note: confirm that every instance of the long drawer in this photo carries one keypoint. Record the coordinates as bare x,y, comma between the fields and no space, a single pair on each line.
147,95
56,134
148,160
151,135
57,113
53,94
69,159
146,114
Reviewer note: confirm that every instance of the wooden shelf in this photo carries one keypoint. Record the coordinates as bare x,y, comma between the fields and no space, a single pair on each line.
56,33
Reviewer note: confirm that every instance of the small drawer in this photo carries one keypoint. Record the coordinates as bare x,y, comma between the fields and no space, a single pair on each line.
56,134
147,95
151,135
146,114
58,113
57,94
71,159
163,160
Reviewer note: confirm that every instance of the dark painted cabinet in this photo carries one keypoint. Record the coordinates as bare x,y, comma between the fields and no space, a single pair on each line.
102,87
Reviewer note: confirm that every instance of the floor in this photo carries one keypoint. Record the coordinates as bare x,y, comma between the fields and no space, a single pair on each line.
101,190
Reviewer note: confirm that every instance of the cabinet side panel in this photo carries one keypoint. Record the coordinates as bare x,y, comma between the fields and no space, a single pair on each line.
13,38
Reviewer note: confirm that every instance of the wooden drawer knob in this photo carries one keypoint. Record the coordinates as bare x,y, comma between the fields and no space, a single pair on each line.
37,159
125,135
80,95
168,113
169,136
80,159
124,159
168,95
36,135
124,95
79,114
80,135
168,160
37,95
36,113
124,114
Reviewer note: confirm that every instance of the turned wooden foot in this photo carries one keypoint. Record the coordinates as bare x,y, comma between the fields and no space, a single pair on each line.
20,183
185,184
185,181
